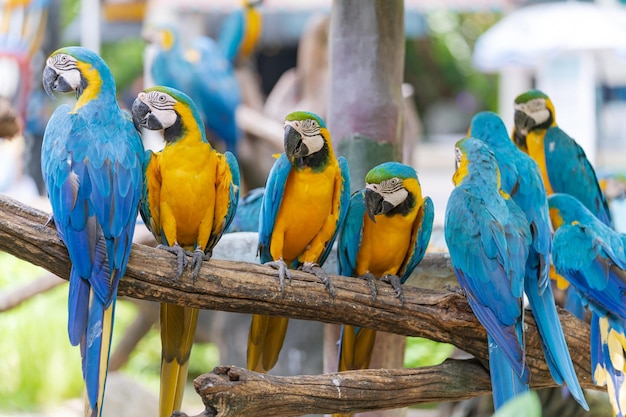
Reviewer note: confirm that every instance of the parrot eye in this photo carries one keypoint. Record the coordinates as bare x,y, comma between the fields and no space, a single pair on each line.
161,98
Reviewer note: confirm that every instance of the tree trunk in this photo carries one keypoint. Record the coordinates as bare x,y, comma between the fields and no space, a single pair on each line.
365,117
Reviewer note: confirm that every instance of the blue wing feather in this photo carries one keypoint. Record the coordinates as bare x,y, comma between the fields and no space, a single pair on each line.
233,165
565,159
351,235
274,190
421,237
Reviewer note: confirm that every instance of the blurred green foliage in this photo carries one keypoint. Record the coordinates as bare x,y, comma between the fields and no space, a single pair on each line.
35,349
34,346
425,352
439,66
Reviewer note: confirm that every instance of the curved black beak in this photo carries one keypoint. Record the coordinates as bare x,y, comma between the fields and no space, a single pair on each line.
49,81
523,124
374,204
294,146
143,117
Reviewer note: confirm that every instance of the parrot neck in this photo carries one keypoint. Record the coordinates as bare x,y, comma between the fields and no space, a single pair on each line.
317,161
96,87
404,208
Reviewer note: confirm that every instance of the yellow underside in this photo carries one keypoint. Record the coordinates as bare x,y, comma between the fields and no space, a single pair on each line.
307,217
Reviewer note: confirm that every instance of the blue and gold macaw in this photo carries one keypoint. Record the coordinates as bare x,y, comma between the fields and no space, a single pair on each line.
202,72
488,238
590,255
563,164
241,32
189,198
91,161
389,209
304,206
521,179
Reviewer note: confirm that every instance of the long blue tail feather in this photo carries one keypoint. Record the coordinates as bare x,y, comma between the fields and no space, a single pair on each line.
505,383
553,342
78,307
95,349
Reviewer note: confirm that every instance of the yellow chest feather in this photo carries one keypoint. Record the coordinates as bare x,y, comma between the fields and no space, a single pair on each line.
536,150
385,245
188,187
307,202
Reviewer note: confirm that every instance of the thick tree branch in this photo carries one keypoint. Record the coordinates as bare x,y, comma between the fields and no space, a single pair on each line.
439,315
228,390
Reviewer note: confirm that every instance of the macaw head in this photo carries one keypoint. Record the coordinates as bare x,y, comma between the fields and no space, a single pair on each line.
473,158
165,36
307,141
489,127
167,109
533,110
565,209
76,69
391,188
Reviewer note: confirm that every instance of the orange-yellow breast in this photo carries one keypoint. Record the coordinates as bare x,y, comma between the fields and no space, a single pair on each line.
306,205
188,190
536,150
385,244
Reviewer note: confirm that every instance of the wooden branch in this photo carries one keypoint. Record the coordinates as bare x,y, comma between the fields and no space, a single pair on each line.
227,390
439,315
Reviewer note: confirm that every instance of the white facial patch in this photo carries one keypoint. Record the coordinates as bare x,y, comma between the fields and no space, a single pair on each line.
309,129
161,105
392,191
65,65
535,108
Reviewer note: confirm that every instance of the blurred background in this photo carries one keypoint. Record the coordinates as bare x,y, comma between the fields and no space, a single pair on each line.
461,57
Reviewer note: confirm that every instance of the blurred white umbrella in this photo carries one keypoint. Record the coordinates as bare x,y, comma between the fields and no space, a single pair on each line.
531,34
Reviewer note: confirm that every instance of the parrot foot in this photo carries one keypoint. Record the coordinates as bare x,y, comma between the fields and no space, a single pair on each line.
315,269
181,258
371,280
283,272
197,256
394,281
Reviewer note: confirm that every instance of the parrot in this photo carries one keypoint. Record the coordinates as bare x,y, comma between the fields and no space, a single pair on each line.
91,161
241,32
521,179
590,255
563,164
189,197
389,210
305,203
488,238
205,74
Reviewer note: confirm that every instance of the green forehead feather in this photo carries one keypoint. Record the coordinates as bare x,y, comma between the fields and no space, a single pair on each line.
389,170
303,115
530,95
